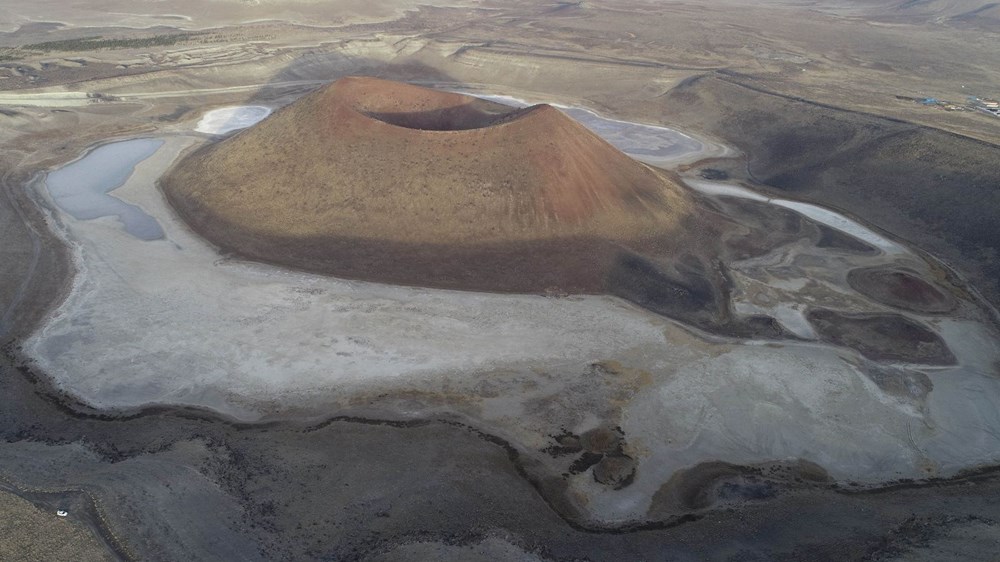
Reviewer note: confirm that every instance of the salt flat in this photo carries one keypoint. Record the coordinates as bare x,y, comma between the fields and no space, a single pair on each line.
228,119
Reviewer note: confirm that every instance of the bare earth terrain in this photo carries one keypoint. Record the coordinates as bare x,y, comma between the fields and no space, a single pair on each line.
771,336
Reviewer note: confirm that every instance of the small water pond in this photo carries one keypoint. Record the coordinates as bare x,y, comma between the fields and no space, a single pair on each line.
83,188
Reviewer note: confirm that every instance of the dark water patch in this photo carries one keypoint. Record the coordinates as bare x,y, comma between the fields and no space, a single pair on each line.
714,174
900,289
748,490
882,337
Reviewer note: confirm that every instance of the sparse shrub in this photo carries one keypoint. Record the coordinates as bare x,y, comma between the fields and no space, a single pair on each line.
98,42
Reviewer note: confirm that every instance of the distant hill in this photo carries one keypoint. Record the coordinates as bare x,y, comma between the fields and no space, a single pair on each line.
935,189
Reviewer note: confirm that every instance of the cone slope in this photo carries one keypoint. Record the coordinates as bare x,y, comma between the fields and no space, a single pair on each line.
392,182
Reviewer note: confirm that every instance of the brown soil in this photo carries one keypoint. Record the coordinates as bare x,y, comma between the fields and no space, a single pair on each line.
601,440
29,533
616,471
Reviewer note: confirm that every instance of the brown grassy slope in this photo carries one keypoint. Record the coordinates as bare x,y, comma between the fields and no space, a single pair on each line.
391,182
382,181
368,158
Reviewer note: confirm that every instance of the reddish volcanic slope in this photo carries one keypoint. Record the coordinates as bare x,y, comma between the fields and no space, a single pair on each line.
391,182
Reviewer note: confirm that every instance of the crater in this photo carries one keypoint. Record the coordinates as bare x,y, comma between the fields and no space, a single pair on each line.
456,118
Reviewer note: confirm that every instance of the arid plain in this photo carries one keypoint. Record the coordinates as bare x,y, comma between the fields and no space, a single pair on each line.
789,351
